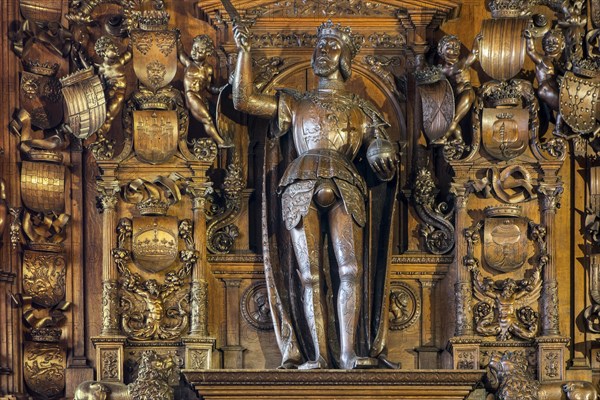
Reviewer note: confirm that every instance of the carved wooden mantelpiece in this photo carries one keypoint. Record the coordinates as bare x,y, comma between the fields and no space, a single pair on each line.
333,384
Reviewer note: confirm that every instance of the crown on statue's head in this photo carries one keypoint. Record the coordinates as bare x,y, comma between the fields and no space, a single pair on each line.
343,34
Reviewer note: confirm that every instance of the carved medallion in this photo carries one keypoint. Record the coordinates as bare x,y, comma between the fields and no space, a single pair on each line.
44,277
43,186
505,132
154,242
85,103
44,368
154,57
505,243
437,100
502,49
255,307
41,98
155,135
405,306
579,102
41,11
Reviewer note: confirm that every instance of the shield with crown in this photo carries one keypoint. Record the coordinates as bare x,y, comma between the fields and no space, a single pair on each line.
437,101
154,53
154,242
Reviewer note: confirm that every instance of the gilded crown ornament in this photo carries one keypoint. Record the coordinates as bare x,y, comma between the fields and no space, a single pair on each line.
506,94
508,8
506,210
49,335
429,74
40,68
153,207
153,20
586,67
343,34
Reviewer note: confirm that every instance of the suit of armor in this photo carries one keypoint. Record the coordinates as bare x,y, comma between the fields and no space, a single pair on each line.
322,194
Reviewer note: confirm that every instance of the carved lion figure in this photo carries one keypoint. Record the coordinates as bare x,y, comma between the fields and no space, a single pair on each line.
156,377
509,372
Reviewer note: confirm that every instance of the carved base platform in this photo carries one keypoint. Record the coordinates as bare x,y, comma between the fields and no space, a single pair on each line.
333,384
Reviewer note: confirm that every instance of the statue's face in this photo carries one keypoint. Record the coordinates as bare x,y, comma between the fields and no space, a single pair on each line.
451,51
199,52
326,58
553,45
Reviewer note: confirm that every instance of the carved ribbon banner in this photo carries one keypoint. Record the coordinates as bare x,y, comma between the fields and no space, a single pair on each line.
437,100
502,49
579,102
154,57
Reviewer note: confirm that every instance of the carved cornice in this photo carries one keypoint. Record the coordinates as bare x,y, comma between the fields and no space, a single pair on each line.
334,377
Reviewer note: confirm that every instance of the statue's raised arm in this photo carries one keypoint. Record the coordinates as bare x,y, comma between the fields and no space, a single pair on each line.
244,96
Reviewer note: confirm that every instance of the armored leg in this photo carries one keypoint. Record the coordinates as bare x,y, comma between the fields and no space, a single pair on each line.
347,240
307,242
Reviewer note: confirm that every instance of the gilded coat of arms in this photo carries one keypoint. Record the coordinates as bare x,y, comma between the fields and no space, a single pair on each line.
154,57
44,277
155,242
505,243
505,132
155,135
41,98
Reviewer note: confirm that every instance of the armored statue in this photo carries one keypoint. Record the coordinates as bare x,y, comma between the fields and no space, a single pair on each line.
322,199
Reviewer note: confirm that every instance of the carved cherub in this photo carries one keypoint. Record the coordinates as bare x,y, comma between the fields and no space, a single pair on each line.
112,69
548,89
197,79
378,67
459,76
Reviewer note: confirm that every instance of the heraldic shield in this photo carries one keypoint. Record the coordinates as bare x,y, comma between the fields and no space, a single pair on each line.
505,243
579,102
155,242
155,135
154,57
437,100
41,98
505,132
502,48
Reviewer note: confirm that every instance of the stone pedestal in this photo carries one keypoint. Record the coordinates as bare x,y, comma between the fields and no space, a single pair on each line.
465,352
199,352
109,358
551,358
333,384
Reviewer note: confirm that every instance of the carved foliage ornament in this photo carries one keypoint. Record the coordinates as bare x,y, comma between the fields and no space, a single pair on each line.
436,228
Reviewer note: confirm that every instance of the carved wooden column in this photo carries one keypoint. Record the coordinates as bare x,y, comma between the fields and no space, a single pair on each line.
109,345
232,351
551,346
199,346
428,351
464,345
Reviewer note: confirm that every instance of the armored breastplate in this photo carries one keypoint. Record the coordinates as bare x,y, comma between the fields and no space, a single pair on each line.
329,120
